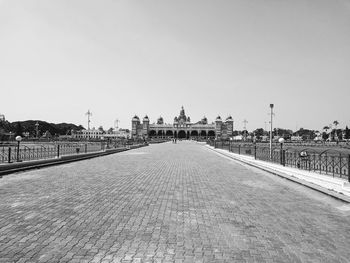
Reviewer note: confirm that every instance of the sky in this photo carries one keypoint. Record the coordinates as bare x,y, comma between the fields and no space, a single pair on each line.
59,59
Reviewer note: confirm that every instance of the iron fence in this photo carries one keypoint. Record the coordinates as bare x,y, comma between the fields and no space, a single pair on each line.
332,161
13,153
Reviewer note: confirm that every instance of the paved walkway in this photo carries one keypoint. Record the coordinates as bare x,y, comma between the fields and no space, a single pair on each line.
334,186
167,203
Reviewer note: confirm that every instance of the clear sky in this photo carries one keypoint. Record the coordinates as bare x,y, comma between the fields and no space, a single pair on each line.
119,58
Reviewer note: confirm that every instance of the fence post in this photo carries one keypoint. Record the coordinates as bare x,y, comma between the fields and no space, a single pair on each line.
284,157
9,155
58,151
239,149
85,147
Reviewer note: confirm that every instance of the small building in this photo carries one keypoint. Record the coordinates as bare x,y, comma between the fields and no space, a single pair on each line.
117,134
87,134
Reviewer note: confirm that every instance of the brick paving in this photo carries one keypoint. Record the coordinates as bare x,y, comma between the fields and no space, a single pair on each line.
165,203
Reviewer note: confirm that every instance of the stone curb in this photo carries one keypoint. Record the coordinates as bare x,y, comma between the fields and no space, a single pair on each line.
315,187
28,165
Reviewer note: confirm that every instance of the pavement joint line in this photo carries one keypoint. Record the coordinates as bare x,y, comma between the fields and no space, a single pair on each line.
270,170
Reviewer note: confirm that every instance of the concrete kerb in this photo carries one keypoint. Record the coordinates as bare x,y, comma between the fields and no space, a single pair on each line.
36,164
288,176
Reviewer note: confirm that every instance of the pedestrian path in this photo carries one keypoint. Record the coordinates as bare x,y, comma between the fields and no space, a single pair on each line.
167,203
337,187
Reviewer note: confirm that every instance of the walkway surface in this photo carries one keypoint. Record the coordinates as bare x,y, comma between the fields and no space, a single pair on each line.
167,203
334,186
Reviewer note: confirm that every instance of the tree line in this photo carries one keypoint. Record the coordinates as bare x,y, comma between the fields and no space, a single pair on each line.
329,132
29,129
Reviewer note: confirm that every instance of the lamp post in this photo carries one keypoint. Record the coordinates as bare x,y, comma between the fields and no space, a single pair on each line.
281,141
18,139
271,107
254,143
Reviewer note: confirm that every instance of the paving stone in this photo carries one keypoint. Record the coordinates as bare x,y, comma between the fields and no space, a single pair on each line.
165,203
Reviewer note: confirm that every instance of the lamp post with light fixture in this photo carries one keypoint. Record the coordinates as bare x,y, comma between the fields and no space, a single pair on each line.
281,141
18,139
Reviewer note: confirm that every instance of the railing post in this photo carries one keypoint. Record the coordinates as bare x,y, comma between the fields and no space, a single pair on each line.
85,147
9,156
340,166
58,151
255,151
320,162
239,149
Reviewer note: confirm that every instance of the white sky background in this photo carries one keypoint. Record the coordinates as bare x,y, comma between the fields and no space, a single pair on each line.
119,58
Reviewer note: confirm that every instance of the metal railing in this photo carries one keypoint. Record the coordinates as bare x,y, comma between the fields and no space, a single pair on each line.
333,161
29,152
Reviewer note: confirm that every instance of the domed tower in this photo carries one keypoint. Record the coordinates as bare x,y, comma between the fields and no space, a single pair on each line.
182,118
145,126
218,127
176,122
160,120
204,120
229,126
135,123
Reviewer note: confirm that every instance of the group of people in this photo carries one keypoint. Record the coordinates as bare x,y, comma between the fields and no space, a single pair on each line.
174,140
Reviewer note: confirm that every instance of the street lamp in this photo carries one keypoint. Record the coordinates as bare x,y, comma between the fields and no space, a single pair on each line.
271,107
18,139
281,141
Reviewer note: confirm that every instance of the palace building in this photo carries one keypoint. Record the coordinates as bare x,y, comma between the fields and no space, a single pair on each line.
182,128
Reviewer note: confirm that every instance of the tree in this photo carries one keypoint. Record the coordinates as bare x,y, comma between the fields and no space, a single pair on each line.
259,133
336,123
306,134
19,129
339,134
347,133
324,136
101,129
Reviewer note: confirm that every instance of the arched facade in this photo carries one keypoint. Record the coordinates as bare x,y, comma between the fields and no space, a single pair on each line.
182,128
169,133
